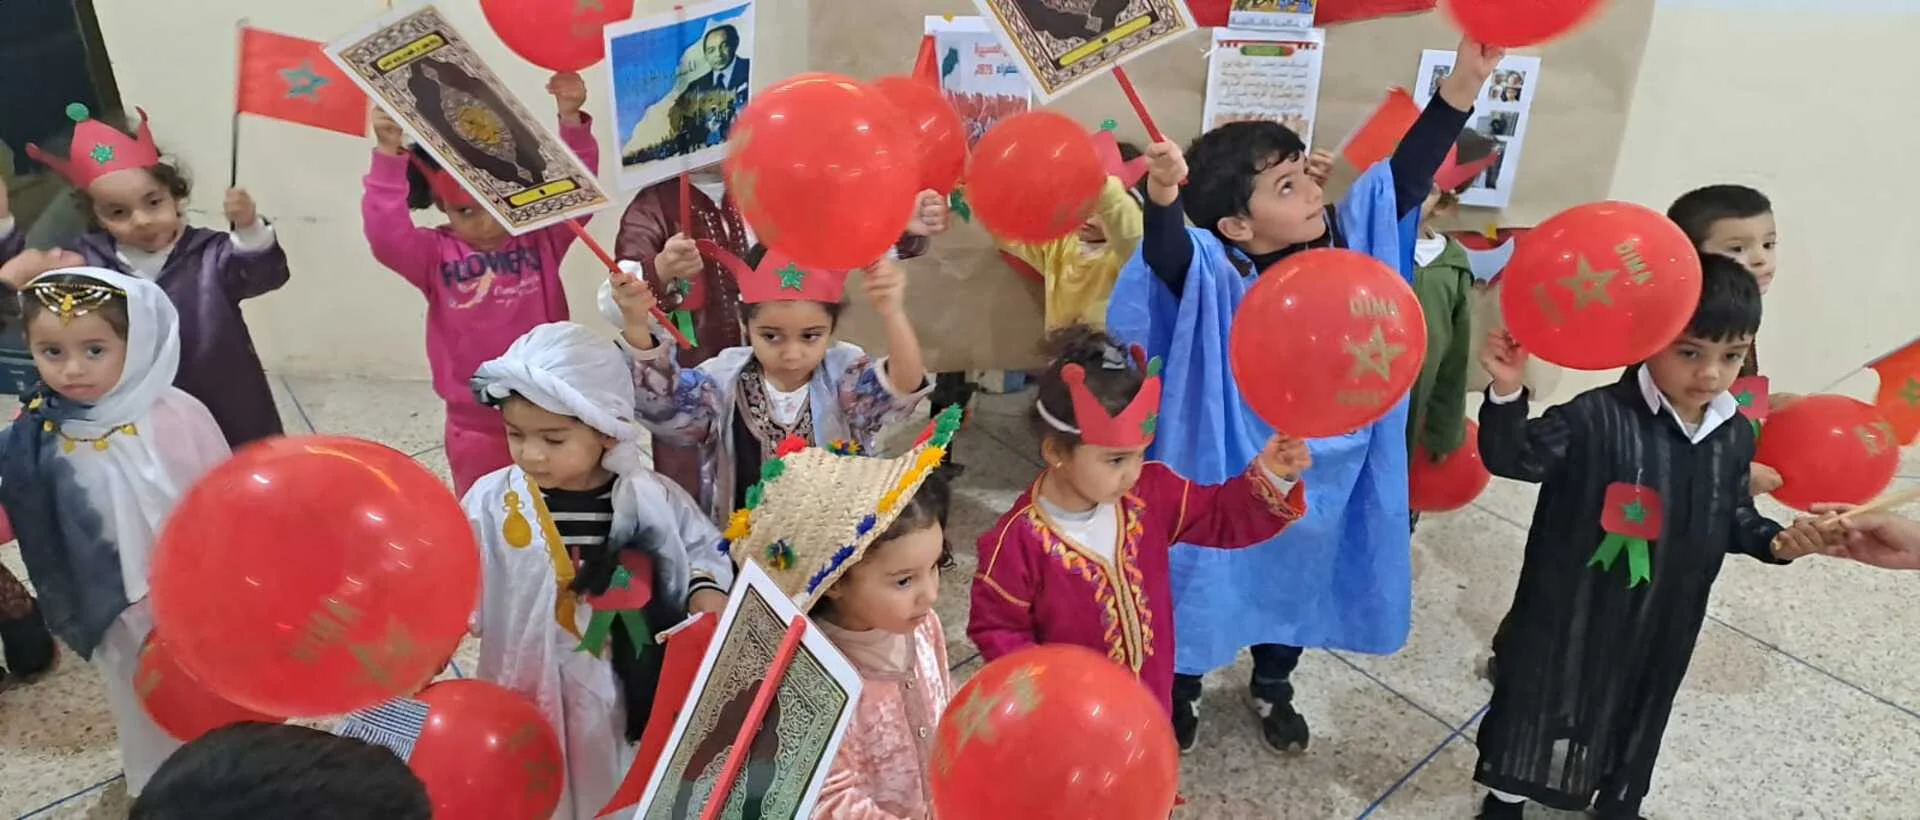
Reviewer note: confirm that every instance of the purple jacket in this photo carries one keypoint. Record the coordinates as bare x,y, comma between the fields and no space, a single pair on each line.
206,280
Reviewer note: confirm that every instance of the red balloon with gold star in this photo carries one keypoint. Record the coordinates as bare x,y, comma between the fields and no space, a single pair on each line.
1829,448
486,751
1035,177
1054,731
1601,285
1449,483
1326,342
824,169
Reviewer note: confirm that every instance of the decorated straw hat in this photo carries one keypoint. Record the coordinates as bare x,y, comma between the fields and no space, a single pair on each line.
815,511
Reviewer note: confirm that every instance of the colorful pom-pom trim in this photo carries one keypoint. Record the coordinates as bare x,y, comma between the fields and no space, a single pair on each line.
940,434
780,555
843,447
789,446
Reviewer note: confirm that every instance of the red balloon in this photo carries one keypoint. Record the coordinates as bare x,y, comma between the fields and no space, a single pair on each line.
315,575
825,170
1326,342
182,707
1054,731
486,751
1601,285
564,36
1451,483
1513,24
1034,177
1829,449
937,129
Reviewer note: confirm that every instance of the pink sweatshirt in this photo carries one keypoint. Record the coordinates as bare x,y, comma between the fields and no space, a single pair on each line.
477,303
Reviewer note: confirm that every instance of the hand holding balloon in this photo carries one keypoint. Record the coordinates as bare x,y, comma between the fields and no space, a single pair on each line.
1286,457
1505,362
1473,63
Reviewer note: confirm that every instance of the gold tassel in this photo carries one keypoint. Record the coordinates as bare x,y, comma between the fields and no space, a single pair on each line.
517,531
100,444
66,445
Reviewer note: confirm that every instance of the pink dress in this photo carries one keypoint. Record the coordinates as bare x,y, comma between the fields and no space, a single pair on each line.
881,770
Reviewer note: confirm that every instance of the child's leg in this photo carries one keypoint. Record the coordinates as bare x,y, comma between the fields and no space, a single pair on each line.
1272,688
1186,710
143,745
474,450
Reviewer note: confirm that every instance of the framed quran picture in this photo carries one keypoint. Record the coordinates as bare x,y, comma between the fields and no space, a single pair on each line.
1063,43
427,76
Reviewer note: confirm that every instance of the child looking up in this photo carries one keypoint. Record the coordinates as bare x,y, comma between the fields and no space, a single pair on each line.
794,380
135,203
1343,577
90,469
859,543
483,286
1081,558
1643,494
614,542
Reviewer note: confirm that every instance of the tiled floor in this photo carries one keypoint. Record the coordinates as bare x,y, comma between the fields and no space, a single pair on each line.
1803,701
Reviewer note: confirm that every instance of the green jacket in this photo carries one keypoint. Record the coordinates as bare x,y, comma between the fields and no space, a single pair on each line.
1437,413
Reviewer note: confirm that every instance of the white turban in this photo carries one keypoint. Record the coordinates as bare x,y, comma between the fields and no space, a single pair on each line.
564,368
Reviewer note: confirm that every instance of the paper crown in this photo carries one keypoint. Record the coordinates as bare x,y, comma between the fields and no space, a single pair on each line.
445,187
1133,426
780,279
99,149
1455,175
1108,147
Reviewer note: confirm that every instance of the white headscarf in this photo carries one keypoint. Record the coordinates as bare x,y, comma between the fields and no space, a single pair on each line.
564,368
153,352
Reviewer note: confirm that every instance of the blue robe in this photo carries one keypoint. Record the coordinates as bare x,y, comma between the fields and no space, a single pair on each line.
1342,576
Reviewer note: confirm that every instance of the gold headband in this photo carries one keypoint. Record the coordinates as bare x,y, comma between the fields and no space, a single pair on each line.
70,300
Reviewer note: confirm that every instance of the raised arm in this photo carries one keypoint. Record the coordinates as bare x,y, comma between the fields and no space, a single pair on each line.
1433,134
1514,446
1164,242
255,263
410,251
1248,509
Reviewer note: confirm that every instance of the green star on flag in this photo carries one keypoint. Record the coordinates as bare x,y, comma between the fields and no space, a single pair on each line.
292,80
303,83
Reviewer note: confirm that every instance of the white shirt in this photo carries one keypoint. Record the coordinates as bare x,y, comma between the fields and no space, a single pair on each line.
1427,249
787,404
1722,409
1098,529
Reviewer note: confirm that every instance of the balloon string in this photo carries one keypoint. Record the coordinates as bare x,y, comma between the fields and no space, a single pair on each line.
762,701
1139,106
614,267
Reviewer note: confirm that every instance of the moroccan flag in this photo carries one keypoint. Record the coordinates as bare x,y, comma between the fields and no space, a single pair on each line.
1899,396
1631,519
685,651
1376,138
287,78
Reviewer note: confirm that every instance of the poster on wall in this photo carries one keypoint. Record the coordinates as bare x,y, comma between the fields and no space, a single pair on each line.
1264,76
1271,15
417,67
791,753
1063,43
1500,114
979,74
679,80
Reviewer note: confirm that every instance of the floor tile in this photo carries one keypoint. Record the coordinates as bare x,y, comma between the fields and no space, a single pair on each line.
404,415
292,418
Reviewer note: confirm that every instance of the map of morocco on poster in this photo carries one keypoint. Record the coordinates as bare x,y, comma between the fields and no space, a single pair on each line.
418,68
1063,43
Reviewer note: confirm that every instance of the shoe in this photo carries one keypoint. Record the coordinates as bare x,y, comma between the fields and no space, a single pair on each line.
1490,670
1493,808
1280,726
1186,722
30,649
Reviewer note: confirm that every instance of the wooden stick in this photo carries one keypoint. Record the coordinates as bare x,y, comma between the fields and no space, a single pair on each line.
1139,106
762,701
614,267
1883,503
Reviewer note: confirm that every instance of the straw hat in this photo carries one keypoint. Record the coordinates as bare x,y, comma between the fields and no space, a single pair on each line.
815,511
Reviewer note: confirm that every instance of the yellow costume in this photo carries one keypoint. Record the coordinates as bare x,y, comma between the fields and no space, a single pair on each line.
1079,277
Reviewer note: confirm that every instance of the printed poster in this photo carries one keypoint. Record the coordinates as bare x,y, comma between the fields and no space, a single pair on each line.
1063,43
1264,76
795,745
1271,15
679,80
417,67
980,75
1500,114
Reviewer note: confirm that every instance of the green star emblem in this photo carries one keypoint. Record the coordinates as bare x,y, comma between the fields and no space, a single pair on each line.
303,83
622,579
1589,285
1744,398
102,153
1910,392
1150,424
1634,512
792,277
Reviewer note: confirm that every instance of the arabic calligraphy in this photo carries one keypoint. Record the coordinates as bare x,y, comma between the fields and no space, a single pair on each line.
1274,79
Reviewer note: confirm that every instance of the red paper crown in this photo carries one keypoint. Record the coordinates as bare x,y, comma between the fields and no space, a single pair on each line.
780,279
99,149
1108,147
1453,176
445,187
1134,426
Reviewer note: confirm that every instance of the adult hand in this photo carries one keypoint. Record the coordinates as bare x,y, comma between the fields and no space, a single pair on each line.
1803,538
1876,539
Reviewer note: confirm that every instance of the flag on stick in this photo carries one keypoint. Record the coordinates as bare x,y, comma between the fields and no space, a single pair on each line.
291,79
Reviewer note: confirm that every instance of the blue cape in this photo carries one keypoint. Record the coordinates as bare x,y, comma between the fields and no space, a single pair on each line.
1342,576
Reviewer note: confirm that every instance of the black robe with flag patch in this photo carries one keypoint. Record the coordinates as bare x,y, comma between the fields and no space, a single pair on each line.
1589,665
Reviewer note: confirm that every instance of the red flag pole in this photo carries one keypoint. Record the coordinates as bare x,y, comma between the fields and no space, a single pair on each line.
762,701
239,83
1139,106
686,170
614,267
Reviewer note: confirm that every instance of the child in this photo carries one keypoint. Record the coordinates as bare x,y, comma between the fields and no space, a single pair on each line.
1342,578
1593,653
253,770
99,455
859,543
136,201
1079,270
1081,558
1443,280
794,379
483,287
611,536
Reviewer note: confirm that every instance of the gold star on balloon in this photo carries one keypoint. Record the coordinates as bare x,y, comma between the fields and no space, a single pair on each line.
1376,355
1589,285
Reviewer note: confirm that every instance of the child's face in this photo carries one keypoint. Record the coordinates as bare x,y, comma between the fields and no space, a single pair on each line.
1286,209
474,226
558,452
1091,232
136,210
789,339
1692,370
1750,241
81,359
1099,474
895,585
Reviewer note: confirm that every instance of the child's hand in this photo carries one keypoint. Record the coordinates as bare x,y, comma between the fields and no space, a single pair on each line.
387,134
1805,537
1473,63
1320,166
20,270
707,600
1166,165
886,288
240,208
636,302
569,94
1286,457
930,216
679,260
1764,479
1505,361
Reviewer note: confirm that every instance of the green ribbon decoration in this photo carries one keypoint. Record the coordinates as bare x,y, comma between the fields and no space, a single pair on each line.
1756,428
595,639
957,203
1639,560
683,319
